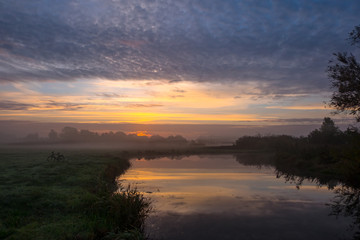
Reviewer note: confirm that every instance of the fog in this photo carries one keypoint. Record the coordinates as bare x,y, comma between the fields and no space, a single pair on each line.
11,131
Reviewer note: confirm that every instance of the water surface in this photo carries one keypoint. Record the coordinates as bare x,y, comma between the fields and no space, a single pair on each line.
216,197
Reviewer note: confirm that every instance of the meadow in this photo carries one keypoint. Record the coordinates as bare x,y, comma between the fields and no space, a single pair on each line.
70,199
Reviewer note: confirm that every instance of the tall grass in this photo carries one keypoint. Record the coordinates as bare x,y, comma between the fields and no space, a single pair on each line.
67,200
123,211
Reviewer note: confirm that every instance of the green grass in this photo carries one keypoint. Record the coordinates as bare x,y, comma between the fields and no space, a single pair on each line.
67,200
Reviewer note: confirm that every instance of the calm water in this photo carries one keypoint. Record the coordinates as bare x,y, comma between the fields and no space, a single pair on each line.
216,197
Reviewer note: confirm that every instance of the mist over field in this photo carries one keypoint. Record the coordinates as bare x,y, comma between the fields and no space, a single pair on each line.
14,131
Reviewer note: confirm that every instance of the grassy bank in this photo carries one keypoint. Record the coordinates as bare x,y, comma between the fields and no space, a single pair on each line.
72,199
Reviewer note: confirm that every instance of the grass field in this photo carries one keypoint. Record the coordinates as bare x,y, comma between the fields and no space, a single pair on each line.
71,199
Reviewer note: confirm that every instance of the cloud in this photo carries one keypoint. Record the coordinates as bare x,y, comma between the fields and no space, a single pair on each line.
139,105
307,107
177,96
49,105
12,105
285,44
110,95
295,120
179,90
52,105
300,121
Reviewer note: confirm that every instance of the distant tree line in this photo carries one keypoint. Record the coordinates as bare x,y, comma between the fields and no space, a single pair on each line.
327,135
73,135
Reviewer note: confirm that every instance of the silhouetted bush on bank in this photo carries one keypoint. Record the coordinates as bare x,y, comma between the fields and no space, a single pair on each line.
326,152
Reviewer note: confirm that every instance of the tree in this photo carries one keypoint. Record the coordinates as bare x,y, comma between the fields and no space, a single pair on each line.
69,134
345,79
53,135
328,127
328,133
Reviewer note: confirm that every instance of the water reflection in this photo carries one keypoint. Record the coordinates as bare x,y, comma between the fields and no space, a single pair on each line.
347,203
215,197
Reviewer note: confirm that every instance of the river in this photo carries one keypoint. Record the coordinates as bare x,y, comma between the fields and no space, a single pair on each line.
218,197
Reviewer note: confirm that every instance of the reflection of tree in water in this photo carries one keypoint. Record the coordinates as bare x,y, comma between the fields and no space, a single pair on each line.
347,203
347,197
298,180
290,178
255,159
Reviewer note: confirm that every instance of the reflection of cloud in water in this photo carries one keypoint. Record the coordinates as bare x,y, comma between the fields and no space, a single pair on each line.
175,197
285,224
175,204
141,175
218,198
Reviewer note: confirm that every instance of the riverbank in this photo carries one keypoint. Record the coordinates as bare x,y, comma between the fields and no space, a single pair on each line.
71,199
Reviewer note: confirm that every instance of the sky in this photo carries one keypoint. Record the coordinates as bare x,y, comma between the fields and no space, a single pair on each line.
213,62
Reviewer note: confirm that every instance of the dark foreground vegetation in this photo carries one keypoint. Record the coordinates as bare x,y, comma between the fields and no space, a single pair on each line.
70,199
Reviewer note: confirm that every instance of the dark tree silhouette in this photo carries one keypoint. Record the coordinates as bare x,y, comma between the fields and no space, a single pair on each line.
73,135
328,127
328,133
345,79
69,134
